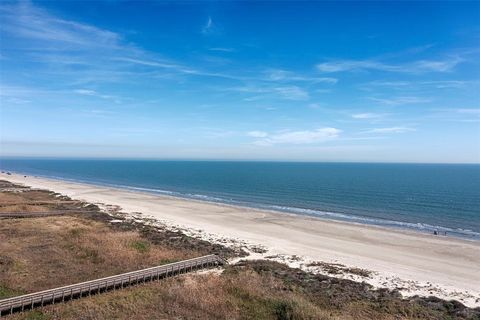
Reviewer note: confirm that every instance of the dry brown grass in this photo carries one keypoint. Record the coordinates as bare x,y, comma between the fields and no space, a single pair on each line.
243,294
31,201
20,208
41,253
46,252
10,197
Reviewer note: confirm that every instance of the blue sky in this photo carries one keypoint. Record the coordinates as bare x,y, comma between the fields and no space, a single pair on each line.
308,81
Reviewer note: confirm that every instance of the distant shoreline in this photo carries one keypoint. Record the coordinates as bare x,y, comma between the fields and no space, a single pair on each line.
411,262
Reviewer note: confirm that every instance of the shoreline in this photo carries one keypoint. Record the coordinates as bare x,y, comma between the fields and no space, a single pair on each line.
402,227
415,262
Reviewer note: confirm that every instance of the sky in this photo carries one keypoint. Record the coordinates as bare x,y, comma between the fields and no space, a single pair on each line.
304,81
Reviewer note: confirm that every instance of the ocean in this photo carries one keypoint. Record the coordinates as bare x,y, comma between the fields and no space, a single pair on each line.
422,197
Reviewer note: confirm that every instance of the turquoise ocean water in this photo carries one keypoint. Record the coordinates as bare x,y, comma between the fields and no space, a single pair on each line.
422,197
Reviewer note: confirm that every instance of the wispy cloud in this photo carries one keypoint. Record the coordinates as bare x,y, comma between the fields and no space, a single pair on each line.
25,20
368,115
209,27
93,93
222,49
295,137
151,63
284,75
390,130
395,101
417,66
257,134
85,92
264,92
14,95
62,46
408,85
472,111
292,93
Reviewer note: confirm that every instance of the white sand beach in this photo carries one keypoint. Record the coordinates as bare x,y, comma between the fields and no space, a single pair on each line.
413,262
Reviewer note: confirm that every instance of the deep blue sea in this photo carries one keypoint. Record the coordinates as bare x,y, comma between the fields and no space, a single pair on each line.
422,197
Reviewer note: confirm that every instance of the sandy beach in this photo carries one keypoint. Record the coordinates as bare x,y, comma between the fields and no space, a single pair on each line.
414,263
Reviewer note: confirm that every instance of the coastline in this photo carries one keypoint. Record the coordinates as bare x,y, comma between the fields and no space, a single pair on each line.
392,225
420,263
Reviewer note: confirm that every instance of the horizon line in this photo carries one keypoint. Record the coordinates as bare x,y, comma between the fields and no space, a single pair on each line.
225,160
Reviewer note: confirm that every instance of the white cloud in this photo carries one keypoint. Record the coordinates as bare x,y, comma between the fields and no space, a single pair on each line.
436,66
284,76
474,111
419,66
367,115
209,27
314,106
261,92
105,56
354,65
292,93
438,84
297,137
257,134
85,92
93,93
221,49
390,130
27,21
151,63
401,100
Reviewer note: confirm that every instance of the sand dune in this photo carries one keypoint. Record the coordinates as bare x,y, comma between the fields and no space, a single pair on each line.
420,263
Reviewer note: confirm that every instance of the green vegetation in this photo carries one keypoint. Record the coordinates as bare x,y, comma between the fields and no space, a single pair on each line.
36,315
140,245
6,292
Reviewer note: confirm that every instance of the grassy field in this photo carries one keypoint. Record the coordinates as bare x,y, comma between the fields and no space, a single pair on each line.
46,252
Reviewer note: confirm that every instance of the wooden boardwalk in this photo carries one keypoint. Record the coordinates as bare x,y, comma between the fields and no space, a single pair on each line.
56,295
20,215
